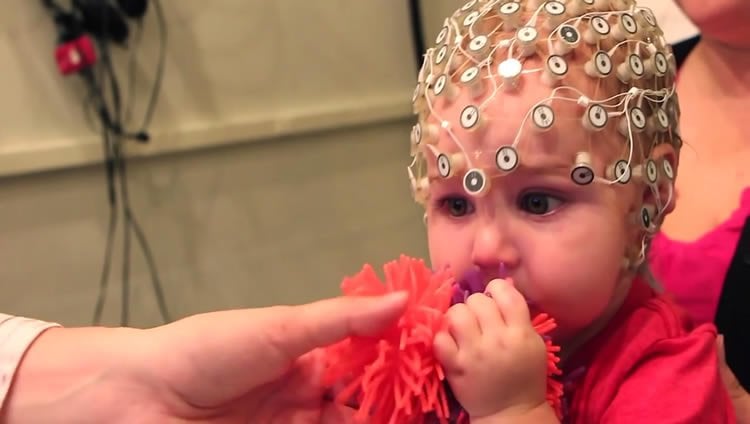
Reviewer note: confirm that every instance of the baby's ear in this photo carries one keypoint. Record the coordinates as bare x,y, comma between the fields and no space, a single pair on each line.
667,159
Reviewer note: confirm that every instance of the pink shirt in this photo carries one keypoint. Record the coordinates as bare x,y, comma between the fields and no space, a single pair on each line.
16,335
650,365
693,272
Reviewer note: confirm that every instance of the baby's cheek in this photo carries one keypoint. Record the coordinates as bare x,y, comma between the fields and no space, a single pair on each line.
572,299
444,246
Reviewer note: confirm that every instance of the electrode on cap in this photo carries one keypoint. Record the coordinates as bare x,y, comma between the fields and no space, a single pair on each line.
440,55
471,79
657,64
646,217
478,46
526,37
506,158
667,168
599,66
595,118
635,119
555,70
510,71
442,35
583,171
443,87
568,39
510,13
631,69
468,5
660,120
449,166
625,28
470,117
416,134
476,182
471,18
555,11
543,117
646,16
597,30
620,172
647,172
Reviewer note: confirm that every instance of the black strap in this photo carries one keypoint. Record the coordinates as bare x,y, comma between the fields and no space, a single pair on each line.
733,312
682,49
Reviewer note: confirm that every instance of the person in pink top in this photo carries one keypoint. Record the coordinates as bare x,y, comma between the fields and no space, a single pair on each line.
699,242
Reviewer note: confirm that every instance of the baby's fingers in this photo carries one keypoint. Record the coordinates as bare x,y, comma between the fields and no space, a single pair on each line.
462,325
510,302
446,350
486,312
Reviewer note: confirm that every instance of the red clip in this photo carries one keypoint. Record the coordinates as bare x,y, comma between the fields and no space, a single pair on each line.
76,55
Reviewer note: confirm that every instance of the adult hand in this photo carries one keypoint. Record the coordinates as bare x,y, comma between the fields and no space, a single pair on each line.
243,366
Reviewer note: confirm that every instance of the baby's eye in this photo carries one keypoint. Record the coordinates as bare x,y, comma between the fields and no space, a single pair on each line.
539,203
456,206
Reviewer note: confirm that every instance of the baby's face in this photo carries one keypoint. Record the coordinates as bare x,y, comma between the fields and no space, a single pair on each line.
562,243
530,152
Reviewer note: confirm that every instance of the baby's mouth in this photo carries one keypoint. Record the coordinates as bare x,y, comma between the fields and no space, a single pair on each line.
476,281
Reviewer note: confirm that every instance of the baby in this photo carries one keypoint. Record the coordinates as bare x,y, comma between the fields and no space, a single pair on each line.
545,155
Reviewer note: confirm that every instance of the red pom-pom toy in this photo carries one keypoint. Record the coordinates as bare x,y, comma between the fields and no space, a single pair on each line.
394,377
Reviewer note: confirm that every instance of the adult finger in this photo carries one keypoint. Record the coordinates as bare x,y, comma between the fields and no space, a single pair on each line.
510,302
300,329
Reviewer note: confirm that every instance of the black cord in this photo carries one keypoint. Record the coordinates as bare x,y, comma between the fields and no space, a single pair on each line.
417,30
131,71
153,100
106,87
101,81
130,221
104,278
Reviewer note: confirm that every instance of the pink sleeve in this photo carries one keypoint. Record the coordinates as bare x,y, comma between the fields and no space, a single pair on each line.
16,335
676,381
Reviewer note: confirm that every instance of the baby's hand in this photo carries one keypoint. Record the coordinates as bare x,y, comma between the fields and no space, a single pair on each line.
494,360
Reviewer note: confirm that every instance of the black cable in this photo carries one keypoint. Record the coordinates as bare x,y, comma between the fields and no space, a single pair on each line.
127,215
131,84
417,30
116,119
148,255
131,222
101,81
153,100
104,278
